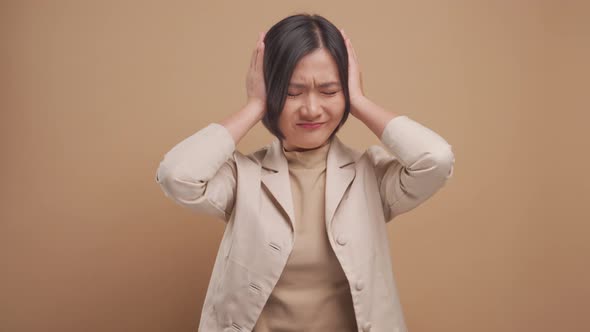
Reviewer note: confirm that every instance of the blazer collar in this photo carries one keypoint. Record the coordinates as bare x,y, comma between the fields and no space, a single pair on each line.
340,172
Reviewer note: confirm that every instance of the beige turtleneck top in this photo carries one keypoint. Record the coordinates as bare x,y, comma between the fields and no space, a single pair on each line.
312,293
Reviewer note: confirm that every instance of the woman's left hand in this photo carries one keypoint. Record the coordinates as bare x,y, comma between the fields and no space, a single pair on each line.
355,81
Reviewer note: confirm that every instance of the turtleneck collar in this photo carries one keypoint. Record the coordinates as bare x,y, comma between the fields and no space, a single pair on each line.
312,158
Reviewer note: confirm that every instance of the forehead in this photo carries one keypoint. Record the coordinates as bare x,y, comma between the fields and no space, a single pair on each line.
316,67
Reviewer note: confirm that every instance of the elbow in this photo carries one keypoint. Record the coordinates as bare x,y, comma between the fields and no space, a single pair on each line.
165,180
175,184
163,174
159,174
444,161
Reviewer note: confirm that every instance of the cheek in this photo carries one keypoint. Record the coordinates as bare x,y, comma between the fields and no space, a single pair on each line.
336,102
336,108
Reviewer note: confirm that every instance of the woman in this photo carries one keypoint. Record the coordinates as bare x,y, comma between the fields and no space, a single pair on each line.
305,246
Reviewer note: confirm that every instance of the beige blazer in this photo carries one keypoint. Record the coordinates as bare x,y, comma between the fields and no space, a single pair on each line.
251,194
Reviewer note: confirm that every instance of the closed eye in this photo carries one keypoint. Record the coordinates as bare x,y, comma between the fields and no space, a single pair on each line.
326,93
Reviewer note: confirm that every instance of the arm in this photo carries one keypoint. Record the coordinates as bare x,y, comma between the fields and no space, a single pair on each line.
200,172
421,163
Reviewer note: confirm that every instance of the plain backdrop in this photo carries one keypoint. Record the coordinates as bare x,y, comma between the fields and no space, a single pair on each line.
93,93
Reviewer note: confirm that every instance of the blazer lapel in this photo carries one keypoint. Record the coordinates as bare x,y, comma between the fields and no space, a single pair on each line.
340,172
276,178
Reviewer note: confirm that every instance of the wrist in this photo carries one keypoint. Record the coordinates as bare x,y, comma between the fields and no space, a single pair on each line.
358,105
255,103
255,107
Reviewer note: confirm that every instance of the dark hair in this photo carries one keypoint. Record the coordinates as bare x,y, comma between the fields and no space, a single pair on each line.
285,43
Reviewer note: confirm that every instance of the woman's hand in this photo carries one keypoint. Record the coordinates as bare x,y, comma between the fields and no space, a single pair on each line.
255,87
372,115
355,81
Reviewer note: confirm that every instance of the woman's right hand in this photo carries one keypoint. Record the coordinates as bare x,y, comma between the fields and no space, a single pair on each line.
255,87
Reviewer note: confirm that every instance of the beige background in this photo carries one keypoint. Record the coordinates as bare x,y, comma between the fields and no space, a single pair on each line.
95,92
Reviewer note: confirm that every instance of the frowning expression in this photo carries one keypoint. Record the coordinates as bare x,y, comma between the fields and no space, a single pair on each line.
315,102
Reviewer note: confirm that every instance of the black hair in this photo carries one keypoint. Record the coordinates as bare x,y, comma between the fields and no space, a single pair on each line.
285,43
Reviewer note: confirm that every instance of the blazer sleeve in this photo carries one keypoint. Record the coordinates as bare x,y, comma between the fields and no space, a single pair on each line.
421,163
200,172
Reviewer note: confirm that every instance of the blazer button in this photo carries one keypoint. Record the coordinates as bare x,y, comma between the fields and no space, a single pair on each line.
360,285
367,327
341,240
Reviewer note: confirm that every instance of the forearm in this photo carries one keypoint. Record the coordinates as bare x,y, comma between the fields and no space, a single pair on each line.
200,173
373,116
419,162
240,122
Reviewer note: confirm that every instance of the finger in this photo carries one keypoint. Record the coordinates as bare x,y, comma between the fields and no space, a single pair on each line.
260,56
252,58
347,41
259,49
348,46
351,58
352,49
254,51
258,52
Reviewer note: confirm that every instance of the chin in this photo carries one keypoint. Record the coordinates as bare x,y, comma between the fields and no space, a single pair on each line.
308,140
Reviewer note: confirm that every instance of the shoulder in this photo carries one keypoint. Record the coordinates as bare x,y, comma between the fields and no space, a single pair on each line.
354,153
373,154
253,158
378,155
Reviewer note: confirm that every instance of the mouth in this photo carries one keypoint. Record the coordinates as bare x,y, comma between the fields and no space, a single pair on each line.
310,125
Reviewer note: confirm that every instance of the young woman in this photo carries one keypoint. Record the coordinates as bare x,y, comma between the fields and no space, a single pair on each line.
305,246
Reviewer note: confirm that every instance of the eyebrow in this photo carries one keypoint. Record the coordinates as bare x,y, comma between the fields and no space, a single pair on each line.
322,85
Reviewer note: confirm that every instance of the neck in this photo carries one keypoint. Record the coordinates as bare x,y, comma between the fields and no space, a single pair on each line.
298,149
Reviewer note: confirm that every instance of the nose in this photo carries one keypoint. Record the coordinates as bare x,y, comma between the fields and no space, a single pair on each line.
311,109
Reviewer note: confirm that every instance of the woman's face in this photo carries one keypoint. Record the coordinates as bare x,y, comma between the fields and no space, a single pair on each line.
315,96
